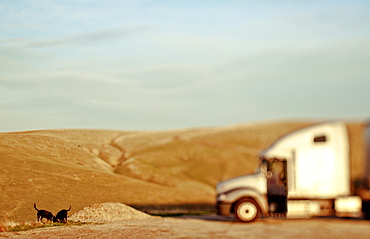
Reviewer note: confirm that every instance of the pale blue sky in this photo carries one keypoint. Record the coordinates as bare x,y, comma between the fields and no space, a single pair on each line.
176,64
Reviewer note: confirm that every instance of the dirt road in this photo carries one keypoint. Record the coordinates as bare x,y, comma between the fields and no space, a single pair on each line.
206,227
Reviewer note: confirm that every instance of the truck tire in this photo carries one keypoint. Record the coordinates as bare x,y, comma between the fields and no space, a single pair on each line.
247,210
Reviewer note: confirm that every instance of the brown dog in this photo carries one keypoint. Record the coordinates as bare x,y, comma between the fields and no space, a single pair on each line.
43,214
62,215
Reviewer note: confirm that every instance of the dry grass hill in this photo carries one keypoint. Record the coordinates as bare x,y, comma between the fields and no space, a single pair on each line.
59,168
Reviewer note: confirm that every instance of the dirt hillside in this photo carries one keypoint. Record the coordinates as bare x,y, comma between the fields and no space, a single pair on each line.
62,168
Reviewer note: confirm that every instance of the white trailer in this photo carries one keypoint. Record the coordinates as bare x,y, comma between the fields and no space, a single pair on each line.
303,174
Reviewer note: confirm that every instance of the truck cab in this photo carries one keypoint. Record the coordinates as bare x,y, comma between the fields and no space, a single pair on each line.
252,196
303,174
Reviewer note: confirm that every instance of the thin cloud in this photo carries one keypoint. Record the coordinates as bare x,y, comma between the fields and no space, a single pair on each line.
170,76
87,38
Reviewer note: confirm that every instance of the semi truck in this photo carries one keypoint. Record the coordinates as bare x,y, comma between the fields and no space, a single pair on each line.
305,173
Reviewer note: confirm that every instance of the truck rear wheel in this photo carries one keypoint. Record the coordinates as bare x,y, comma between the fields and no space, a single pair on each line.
247,210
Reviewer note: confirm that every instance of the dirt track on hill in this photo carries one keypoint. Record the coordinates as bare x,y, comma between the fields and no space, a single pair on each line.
157,227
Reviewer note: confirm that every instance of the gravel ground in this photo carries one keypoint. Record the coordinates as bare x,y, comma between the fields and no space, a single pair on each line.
108,213
121,221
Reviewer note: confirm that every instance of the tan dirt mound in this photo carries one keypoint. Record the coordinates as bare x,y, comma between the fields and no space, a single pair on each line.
108,212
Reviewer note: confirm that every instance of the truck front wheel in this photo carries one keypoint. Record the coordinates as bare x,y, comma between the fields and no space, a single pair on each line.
247,210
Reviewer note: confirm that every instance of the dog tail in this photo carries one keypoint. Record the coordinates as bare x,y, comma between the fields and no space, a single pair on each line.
34,205
69,208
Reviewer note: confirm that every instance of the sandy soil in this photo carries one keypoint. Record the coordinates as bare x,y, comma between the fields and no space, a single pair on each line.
127,223
195,228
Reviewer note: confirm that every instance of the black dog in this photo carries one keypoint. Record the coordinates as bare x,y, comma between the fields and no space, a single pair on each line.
43,214
62,215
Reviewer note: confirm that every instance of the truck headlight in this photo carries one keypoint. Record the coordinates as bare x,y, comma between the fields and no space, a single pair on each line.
221,197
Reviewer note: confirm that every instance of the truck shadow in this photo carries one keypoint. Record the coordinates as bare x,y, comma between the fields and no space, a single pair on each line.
208,217
218,218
